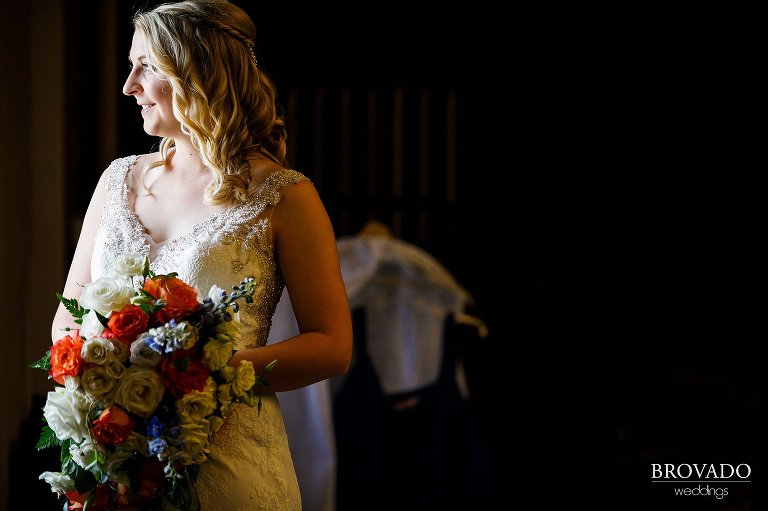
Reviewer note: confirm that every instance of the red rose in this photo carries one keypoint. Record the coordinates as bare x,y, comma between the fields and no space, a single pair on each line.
183,371
65,357
113,426
151,480
180,298
127,323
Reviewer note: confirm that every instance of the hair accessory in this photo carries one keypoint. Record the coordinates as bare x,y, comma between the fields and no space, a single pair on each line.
253,54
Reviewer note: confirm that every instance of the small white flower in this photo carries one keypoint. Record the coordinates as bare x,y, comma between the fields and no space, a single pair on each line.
91,326
217,294
60,483
105,295
86,454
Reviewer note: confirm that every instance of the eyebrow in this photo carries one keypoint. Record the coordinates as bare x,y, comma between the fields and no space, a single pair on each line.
137,58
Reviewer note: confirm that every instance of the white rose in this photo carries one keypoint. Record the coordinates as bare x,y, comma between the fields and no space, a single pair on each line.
105,295
140,390
91,326
130,264
66,415
245,378
60,483
97,351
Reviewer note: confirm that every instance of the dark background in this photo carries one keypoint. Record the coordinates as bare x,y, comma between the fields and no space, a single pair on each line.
649,129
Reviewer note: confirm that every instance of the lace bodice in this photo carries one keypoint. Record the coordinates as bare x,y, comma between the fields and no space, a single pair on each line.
220,250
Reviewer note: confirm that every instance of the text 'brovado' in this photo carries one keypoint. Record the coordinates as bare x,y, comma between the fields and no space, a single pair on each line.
684,471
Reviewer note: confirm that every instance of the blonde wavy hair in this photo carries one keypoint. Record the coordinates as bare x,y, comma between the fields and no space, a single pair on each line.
224,102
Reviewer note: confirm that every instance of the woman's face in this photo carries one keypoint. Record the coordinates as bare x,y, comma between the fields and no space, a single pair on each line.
152,92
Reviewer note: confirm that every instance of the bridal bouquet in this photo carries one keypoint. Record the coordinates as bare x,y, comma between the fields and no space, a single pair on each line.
143,386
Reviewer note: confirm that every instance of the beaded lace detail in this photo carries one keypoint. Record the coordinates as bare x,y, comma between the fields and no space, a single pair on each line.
219,250
249,465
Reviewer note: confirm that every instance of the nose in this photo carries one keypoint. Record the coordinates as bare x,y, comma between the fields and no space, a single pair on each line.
132,85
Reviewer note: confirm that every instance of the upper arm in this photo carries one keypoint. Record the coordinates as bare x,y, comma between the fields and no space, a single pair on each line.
80,267
306,250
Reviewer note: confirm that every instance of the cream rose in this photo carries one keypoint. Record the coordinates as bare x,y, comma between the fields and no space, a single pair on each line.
114,462
193,438
97,351
130,264
121,351
195,406
97,382
245,378
216,354
140,390
114,369
143,355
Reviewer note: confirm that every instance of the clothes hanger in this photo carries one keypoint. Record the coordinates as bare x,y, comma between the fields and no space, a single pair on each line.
375,228
468,319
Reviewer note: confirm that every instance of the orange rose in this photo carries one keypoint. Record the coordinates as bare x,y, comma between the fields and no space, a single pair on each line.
65,357
127,323
180,298
113,426
100,502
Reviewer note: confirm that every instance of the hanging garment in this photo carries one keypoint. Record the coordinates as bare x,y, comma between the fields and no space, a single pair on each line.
406,294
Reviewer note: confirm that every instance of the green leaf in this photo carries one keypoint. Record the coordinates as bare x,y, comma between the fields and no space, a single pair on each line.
47,439
102,319
84,479
145,272
75,309
44,363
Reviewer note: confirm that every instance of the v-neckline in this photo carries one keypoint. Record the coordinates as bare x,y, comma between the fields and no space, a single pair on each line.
150,241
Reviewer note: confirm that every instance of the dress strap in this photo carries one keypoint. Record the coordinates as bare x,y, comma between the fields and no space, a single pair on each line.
269,191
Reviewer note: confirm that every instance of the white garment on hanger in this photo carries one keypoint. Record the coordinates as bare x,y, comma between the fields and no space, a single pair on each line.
407,295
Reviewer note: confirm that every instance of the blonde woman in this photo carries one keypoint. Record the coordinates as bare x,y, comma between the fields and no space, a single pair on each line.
215,204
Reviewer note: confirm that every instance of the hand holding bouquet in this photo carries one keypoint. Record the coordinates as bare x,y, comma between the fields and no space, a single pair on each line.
144,384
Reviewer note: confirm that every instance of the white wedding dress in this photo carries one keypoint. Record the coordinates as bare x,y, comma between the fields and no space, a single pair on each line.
250,465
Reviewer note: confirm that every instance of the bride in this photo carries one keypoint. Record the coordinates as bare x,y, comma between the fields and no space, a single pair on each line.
215,204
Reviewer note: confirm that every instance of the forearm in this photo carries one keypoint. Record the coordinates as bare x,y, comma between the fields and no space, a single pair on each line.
61,321
302,360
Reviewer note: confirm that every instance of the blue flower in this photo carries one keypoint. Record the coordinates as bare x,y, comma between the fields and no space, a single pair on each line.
154,427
